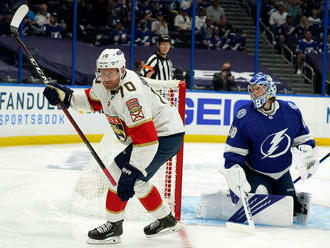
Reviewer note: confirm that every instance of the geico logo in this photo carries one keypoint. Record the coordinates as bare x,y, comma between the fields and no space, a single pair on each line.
211,111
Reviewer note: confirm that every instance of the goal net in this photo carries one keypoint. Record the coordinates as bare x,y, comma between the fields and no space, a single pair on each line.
90,190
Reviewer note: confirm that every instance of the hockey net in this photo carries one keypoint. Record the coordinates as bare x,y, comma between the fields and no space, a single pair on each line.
90,190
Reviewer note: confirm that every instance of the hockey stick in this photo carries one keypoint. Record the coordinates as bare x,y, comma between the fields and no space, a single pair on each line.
241,227
309,175
15,23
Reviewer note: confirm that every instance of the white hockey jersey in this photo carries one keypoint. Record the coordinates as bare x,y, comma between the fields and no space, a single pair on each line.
136,113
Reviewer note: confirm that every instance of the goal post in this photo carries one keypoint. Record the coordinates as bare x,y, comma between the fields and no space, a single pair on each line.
89,194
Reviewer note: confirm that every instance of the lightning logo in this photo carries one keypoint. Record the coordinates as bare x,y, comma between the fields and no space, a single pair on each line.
276,139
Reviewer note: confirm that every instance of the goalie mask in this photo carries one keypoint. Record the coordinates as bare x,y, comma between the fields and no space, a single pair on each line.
110,58
261,79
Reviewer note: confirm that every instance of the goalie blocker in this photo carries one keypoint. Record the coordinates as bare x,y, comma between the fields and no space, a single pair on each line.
276,210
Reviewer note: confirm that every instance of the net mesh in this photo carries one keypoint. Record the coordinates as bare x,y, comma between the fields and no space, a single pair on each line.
89,193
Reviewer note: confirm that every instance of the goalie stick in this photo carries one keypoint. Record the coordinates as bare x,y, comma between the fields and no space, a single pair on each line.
309,175
15,23
241,227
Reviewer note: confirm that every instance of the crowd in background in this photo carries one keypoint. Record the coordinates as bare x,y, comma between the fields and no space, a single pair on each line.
103,22
297,24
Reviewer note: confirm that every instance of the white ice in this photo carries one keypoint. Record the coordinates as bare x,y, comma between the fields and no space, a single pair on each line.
35,212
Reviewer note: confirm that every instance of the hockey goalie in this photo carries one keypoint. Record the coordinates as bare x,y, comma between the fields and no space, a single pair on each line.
258,155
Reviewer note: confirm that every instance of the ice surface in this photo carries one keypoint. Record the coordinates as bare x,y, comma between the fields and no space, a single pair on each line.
36,184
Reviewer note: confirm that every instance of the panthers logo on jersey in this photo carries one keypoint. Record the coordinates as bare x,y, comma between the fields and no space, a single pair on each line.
118,127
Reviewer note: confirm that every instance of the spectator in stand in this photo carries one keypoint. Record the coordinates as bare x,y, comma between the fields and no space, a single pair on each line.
216,41
200,19
42,18
53,29
316,25
277,18
182,21
159,27
225,28
148,17
295,10
304,46
302,28
119,35
215,13
223,80
143,34
116,11
287,32
235,41
207,32
182,24
43,15
268,7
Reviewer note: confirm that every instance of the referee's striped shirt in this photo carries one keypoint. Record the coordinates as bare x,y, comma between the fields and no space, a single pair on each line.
162,67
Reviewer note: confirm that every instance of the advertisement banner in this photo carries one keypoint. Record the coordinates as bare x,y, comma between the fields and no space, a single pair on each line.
24,111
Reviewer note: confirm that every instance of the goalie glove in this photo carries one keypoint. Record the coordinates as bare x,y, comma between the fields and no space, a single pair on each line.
307,162
236,179
55,92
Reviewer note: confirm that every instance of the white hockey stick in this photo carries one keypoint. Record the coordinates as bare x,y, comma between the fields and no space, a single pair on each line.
19,15
16,21
241,227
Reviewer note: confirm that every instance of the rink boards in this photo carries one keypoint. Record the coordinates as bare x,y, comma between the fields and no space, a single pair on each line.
27,118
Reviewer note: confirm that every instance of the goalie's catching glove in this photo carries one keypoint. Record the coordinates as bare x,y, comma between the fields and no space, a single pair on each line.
306,160
55,92
125,188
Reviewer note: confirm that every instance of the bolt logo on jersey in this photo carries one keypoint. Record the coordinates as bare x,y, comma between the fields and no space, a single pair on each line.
275,144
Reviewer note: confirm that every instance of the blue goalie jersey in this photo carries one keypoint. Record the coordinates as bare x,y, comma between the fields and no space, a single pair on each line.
263,142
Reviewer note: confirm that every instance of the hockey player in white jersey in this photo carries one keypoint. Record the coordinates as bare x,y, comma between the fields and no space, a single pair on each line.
258,148
140,118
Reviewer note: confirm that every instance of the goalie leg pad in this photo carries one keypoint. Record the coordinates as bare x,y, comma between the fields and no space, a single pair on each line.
266,209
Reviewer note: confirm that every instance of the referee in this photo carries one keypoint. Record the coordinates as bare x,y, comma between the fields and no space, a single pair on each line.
158,65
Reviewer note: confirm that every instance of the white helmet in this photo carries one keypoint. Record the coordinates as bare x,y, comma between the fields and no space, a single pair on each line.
110,58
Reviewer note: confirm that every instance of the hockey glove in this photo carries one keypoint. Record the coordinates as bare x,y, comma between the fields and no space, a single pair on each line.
236,179
125,188
306,160
55,92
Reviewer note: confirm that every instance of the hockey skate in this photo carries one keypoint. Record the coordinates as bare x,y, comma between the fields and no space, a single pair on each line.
301,209
108,233
162,226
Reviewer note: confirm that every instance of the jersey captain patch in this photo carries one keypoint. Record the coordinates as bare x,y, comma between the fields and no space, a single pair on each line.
135,109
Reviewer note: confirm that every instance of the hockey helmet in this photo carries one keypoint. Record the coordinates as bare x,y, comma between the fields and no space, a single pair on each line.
262,79
110,58
163,38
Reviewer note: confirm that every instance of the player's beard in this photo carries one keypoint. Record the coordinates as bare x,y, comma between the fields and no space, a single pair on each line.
111,84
